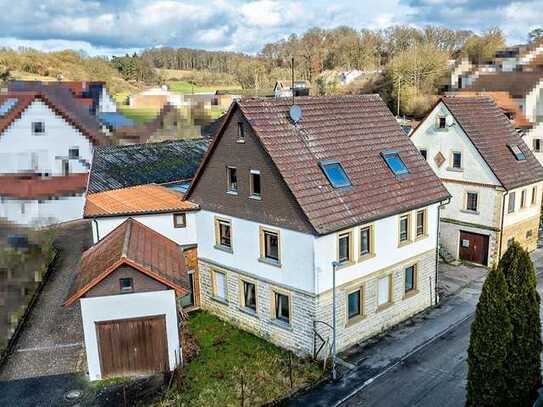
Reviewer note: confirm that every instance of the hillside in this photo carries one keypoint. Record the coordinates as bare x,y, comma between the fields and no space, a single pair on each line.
47,66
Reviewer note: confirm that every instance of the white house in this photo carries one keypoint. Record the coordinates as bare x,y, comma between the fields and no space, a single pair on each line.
45,155
282,199
534,140
494,179
284,88
128,285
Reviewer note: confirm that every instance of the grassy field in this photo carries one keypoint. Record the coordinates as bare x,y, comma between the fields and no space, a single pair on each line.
231,359
187,87
138,115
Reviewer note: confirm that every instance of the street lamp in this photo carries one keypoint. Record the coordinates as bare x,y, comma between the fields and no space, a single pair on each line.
335,265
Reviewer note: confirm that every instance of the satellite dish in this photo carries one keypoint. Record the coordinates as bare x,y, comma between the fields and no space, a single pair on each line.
295,113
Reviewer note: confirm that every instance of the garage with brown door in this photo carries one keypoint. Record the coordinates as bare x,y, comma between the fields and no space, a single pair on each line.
132,346
473,247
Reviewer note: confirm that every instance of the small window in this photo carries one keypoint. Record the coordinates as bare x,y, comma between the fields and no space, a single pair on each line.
126,285
255,184
404,228
282,307
354,304
232,179
442,122
219,285
395,163
421,223
344,247
517,152
457,160
179,220
335,173
73,153
424,153
241,131
223,233
537,145
511,206
410,279
383,291
523,198
534,195
365,241
471,201
249,295
38,127
270,245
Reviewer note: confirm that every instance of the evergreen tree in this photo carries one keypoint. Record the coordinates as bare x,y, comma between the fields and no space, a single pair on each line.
491,335
523,360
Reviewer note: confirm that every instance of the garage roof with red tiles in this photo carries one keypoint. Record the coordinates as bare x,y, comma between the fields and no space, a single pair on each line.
354,130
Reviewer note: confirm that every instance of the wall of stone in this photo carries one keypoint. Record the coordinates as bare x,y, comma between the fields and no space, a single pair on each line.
519,232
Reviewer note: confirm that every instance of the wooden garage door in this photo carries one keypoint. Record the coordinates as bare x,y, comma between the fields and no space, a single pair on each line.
132,346
473,247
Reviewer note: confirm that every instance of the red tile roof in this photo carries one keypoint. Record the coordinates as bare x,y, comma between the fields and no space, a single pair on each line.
133,200
135,245
354,130
491,132
35,187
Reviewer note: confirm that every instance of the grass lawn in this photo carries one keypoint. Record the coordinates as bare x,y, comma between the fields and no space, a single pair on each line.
187,87
138,115
229,357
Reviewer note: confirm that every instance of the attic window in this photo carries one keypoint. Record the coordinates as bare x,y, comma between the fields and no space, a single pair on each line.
395,163
519,155
335,174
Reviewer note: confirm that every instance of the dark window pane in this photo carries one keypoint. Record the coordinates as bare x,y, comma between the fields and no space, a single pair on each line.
354,304
255,180
365,241
409,278
232,179
424,153
241,131
282,307
224,231
336,175
249,292
457,160
472,202
271,246
420,223
511,207
73,153
344,248
403,228
442,122
126,284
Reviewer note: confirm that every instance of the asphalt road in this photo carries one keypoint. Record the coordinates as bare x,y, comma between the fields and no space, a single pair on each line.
433,376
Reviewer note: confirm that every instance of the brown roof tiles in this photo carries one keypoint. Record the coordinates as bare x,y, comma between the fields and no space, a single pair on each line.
518,84
34,186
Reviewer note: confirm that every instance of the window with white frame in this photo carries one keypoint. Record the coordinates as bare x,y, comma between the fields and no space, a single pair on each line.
255,180
223,233
232,180
366,241
281,310
383,291
457,160
472,201
219,285
344,242
249,295
269,245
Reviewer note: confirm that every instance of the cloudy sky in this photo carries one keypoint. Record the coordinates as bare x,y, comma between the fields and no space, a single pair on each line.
117,26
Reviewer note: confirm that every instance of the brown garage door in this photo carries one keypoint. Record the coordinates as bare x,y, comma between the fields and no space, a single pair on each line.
132,346
474,247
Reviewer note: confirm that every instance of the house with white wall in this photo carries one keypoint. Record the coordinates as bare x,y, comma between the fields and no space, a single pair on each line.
495,181
45,156
128,286
283,198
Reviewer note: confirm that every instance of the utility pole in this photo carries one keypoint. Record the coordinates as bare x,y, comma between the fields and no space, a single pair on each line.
399,87
292,85
335,264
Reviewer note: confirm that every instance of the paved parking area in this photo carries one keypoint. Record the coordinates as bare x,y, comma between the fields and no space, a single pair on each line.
452,279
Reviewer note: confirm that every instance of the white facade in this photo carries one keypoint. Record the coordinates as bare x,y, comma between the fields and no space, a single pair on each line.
535,133
137,305
36,213
533,104
106,104
23,151
161,223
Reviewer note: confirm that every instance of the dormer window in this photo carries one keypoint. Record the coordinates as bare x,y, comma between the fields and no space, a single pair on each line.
517,152
335,173
395,163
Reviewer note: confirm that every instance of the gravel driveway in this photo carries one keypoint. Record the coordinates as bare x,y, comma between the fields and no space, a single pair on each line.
47,359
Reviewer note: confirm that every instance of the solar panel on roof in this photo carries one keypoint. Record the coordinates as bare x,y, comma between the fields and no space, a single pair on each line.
8,104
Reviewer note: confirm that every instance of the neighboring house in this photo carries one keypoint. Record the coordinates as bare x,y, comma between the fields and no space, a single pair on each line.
170,124
155,98
128,285
114,120
115,167
525,88
46,148
283,88
280,202
534,140
494,179
519,57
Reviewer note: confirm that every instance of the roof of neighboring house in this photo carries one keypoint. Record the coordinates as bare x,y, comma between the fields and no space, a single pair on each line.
135,245
136,200
504,102
209,131
518,84
115,120
115,167
491,132
355,130
34,186
62,102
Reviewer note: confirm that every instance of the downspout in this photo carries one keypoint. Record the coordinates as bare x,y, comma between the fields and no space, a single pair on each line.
441,205
97,232
501,227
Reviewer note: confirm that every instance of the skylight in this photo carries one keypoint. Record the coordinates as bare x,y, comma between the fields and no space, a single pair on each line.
7,106
335,174
395,163
519,155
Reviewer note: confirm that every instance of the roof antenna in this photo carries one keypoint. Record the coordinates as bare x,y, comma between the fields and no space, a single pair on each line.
295,111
